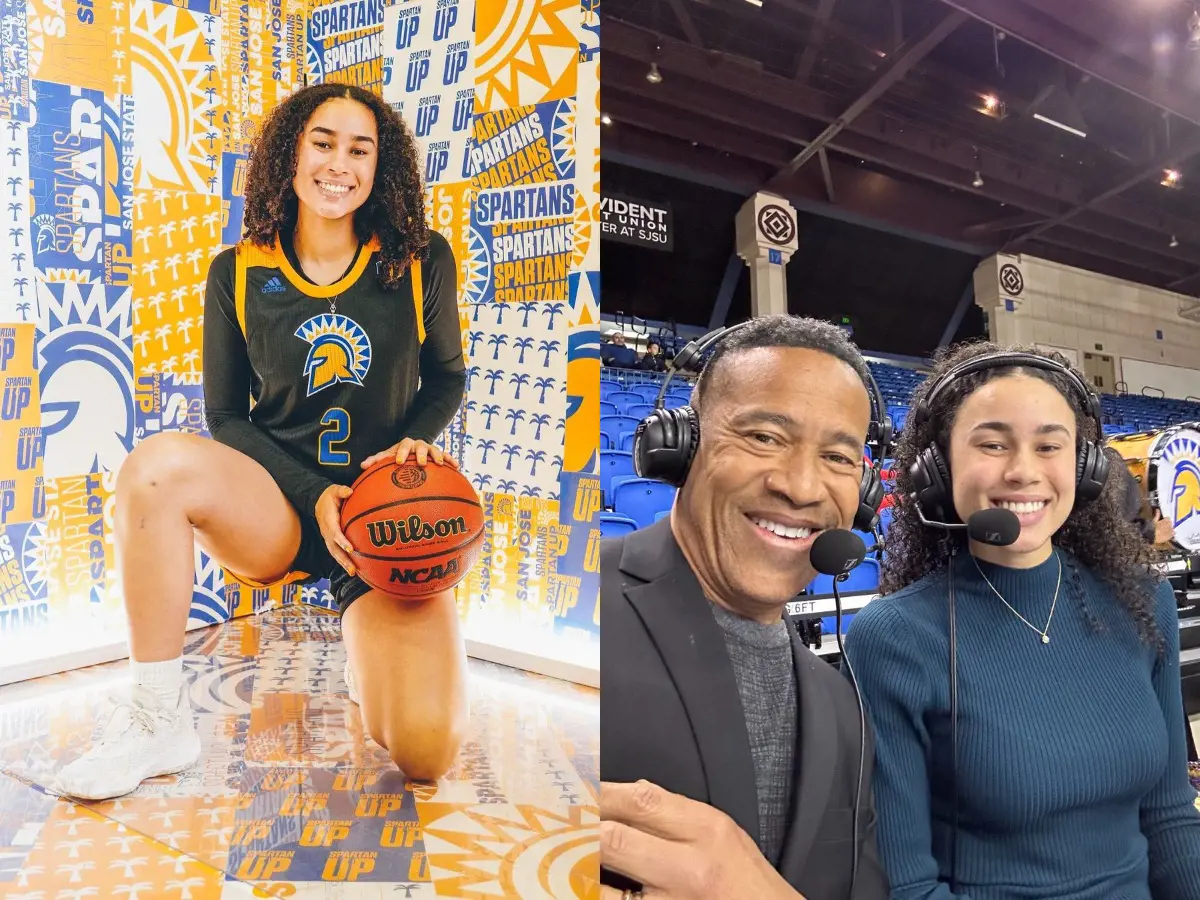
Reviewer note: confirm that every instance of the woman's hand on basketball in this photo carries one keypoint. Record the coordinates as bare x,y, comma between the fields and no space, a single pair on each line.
329,518
424,450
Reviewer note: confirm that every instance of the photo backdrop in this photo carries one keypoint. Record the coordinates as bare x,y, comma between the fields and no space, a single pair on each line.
125,129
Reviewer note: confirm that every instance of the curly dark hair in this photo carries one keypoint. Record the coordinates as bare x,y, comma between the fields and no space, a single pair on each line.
1098,535
395,211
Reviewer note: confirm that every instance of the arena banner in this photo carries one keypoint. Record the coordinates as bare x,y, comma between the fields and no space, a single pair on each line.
643,223
125,128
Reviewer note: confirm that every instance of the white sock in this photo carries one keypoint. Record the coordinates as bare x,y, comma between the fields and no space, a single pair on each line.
163,679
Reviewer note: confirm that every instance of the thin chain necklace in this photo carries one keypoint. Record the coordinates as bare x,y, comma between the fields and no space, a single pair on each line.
1045,633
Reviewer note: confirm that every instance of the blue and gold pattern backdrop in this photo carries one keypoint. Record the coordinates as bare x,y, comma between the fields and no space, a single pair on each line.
125,128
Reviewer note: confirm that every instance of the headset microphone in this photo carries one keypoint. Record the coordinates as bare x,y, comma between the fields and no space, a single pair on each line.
995,526
835,552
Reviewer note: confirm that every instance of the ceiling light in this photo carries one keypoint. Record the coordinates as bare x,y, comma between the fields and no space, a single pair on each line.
1171,178
605,119
654,76
1174,241
990,102
1058,124
1193,41
755,2
978,182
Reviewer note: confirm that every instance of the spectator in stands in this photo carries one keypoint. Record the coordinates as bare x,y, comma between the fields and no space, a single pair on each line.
609,347
1072,762
750,744
653,359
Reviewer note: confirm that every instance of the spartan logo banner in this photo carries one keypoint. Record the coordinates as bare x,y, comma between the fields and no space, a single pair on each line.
429,77
345,44
66,148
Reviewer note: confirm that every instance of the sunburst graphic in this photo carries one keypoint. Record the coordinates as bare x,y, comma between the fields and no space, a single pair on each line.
37,37
583,231
499,850
525,52
477,268
563,138
1178,476
33,560
313,66
176,79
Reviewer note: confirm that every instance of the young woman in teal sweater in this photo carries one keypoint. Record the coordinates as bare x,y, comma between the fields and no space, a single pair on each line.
1068,778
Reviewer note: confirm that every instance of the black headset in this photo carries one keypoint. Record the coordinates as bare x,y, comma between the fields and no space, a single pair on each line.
933,495
931,471
665,442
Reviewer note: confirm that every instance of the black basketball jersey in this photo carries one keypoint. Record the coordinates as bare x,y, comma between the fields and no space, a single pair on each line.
336,373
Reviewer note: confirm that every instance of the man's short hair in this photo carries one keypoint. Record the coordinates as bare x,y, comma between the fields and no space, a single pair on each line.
799,332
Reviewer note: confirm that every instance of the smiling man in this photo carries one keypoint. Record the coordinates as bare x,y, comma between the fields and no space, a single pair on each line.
746,746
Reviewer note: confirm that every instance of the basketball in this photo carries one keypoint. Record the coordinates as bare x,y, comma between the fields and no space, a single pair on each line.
416,530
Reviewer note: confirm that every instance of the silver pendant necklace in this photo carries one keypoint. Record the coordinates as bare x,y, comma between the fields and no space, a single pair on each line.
1044,632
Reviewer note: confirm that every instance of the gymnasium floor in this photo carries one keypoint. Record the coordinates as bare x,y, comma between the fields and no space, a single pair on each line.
291,798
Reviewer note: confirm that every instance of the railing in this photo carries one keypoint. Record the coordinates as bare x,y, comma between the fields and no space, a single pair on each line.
1121,388
1161,392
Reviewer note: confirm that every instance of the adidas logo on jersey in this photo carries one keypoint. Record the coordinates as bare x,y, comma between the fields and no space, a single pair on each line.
273,286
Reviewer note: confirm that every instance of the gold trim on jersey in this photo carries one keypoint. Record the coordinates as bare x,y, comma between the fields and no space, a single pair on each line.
324,291
418,292
248,254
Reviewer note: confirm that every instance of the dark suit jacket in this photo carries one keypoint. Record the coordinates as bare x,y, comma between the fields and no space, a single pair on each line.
670,713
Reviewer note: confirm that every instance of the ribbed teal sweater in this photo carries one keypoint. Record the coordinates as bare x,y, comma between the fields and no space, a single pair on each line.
1073,777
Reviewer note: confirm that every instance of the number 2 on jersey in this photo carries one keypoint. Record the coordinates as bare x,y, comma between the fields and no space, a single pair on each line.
337,431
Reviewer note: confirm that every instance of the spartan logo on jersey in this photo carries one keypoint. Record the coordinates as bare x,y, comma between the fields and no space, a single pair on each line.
340,352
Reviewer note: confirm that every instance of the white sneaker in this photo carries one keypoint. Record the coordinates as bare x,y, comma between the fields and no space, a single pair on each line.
140,740
351,688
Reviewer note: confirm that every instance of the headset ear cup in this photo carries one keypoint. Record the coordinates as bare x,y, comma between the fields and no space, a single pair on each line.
931,484
1091,472
870,496
664,445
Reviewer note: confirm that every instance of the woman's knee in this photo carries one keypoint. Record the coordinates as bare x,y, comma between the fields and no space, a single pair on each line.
158,467
424,747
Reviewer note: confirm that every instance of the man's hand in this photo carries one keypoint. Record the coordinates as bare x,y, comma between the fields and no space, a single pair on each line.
329,518
425,451
679,849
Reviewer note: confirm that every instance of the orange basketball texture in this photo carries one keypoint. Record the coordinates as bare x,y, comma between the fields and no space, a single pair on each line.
416,530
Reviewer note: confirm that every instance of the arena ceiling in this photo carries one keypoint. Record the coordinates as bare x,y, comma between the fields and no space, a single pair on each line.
878,111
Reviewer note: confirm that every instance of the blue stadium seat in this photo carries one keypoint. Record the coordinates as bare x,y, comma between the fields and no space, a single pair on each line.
661,514
605,441
614,425
863,577
613,463
621,399
614,525
641,498
626,441
899,416
607,409
639,410
648,392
